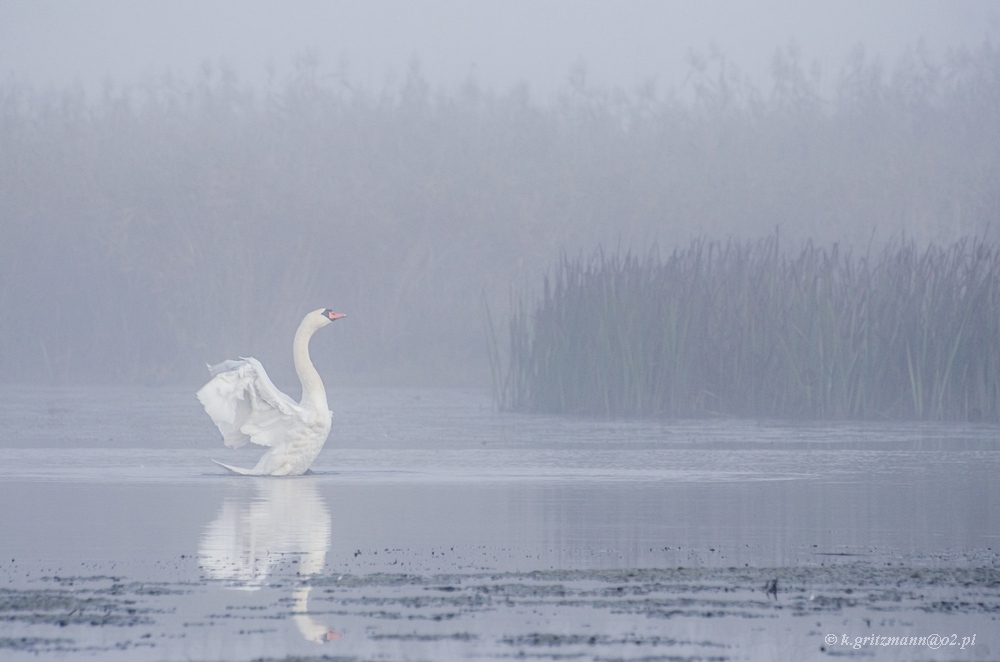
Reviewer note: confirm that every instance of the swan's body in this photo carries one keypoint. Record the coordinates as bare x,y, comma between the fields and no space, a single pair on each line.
246,406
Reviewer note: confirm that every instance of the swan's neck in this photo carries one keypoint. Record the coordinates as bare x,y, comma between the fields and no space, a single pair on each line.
313,393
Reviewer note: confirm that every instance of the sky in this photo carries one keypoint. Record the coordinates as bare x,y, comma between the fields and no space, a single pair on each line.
622,44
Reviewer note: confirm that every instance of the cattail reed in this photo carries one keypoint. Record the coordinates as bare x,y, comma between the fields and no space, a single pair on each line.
743,329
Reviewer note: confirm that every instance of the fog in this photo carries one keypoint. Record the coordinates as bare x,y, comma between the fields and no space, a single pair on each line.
180,182
498,44
681,314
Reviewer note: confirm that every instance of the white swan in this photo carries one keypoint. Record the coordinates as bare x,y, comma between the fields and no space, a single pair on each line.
246,406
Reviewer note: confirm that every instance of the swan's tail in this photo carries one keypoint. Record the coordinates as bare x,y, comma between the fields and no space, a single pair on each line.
237,470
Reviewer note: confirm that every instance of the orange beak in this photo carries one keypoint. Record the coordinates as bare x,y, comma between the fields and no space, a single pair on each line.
332,315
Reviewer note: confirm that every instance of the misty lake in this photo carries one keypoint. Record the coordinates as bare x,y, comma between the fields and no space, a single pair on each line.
434,528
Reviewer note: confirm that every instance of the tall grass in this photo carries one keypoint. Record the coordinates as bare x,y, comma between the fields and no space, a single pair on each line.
743,329
158,226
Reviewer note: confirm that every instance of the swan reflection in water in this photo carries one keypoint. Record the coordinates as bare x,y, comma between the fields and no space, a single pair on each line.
255,533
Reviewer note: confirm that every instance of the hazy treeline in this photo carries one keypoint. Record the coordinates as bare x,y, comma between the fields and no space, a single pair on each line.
745,329
156,227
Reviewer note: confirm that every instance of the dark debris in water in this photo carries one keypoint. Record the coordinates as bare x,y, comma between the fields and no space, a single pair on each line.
457,636
33,643
667,593
514,614
63,607
548,639
699,580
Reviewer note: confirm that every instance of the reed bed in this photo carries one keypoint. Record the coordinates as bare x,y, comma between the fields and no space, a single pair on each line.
743,329
161,225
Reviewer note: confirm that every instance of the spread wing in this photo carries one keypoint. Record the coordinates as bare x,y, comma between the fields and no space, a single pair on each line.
246,406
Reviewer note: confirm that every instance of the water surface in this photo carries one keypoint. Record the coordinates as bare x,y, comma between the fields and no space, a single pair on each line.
427,503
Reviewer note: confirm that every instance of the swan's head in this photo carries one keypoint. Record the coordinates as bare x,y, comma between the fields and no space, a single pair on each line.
322,317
